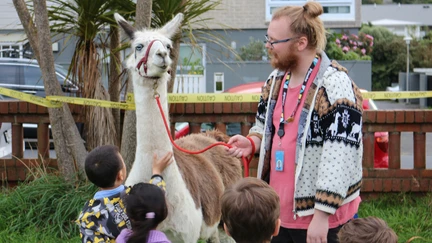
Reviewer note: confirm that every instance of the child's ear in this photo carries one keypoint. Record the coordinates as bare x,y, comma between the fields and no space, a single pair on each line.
226,230
278,223
120,176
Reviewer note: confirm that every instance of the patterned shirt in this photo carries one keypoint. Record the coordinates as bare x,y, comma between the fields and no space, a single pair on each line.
102,219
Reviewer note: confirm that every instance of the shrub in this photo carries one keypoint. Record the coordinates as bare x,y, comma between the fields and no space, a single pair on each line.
254,51
48,204
349,47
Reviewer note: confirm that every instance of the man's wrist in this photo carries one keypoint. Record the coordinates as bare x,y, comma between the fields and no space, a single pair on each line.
321,214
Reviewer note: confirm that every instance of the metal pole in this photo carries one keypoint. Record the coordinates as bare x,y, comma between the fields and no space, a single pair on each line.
407,40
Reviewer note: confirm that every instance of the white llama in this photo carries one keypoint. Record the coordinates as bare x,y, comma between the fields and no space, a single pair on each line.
194,182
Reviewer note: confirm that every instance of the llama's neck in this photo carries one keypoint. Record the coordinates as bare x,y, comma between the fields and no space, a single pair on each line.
152,137
151,133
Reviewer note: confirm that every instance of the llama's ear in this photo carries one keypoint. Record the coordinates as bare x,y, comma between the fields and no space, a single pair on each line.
128,29
171,28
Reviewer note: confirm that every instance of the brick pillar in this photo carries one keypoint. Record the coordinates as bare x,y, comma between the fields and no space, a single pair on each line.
368,149
419,150
173,130
394,150
17,140
245,127
221,126
195,127
43,141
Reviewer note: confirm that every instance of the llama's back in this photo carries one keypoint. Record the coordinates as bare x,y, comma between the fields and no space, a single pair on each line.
206,175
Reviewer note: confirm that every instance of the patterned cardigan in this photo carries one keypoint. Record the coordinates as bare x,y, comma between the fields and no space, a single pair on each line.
329,143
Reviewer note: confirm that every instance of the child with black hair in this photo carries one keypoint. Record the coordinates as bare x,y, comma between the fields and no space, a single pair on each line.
103,217
146,208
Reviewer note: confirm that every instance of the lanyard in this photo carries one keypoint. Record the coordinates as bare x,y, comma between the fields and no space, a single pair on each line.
281,131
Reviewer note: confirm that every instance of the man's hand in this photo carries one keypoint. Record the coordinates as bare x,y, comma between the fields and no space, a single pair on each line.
159,166
318,228
241,146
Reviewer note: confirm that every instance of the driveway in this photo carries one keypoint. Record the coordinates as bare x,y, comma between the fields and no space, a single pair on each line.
407,142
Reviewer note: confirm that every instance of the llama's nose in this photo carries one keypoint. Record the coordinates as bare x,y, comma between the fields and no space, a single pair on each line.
162,54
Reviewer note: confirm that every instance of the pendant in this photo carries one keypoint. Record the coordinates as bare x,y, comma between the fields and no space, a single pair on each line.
290,119
281,133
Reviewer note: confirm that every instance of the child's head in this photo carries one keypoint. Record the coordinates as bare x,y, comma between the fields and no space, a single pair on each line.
369,229
250,211
146,208
104,167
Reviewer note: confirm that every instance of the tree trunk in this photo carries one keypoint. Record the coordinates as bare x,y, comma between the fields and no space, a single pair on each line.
143,14
114,78
67,140
174,57
128,145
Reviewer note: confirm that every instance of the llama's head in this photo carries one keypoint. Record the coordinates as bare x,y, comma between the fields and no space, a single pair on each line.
151,48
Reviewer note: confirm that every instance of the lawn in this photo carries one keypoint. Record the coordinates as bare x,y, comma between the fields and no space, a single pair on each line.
44,210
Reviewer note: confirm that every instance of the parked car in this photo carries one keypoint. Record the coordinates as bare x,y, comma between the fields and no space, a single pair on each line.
25,75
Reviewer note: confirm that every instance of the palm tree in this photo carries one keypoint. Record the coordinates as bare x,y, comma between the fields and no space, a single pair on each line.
87,22
69,148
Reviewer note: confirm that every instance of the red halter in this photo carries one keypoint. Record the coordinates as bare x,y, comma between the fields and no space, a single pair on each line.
144,60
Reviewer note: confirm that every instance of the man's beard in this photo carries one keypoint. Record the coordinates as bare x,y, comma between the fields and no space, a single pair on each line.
287,62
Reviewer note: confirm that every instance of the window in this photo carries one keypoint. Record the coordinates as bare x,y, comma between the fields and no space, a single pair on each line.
33,76
191,59
334,10
12,51
218,82
9,74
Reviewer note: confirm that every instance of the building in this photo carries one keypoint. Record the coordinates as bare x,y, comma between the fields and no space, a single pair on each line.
248,19
401,19
213,67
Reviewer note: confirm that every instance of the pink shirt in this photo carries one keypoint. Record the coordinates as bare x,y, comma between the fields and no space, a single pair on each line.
283,182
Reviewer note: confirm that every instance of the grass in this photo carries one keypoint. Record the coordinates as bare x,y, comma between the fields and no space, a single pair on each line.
409,215
44,210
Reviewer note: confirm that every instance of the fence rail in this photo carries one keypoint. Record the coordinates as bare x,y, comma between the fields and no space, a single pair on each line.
393,179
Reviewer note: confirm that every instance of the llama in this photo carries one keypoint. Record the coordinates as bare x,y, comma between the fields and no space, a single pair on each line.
194,182
333,129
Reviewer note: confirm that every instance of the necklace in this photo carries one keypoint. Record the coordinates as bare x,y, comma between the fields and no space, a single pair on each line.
283,121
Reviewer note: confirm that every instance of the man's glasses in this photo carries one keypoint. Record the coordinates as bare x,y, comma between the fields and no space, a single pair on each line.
276,41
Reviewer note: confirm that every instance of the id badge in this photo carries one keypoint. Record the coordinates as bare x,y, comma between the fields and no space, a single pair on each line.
279,158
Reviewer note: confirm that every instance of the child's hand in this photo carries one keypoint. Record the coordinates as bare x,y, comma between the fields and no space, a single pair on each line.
160,165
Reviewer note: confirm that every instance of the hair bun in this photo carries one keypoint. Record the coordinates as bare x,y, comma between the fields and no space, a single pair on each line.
313,9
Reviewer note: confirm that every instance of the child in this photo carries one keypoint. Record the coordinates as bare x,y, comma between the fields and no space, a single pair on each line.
146,208
103,217
250,211
369,229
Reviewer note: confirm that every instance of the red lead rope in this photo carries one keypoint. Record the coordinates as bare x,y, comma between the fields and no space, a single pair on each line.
246,161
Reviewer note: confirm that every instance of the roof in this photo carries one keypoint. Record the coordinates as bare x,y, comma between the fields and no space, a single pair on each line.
9,17
420,13
13,38
393,22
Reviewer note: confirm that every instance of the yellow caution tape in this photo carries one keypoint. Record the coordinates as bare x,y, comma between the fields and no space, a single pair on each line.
56,101
92,102
383,95
206,98
232,98
30,98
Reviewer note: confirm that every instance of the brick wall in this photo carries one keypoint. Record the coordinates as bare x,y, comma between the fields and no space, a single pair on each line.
250,14
241,14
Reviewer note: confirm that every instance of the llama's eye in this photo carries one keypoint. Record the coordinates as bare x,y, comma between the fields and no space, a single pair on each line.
168,47
139,47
